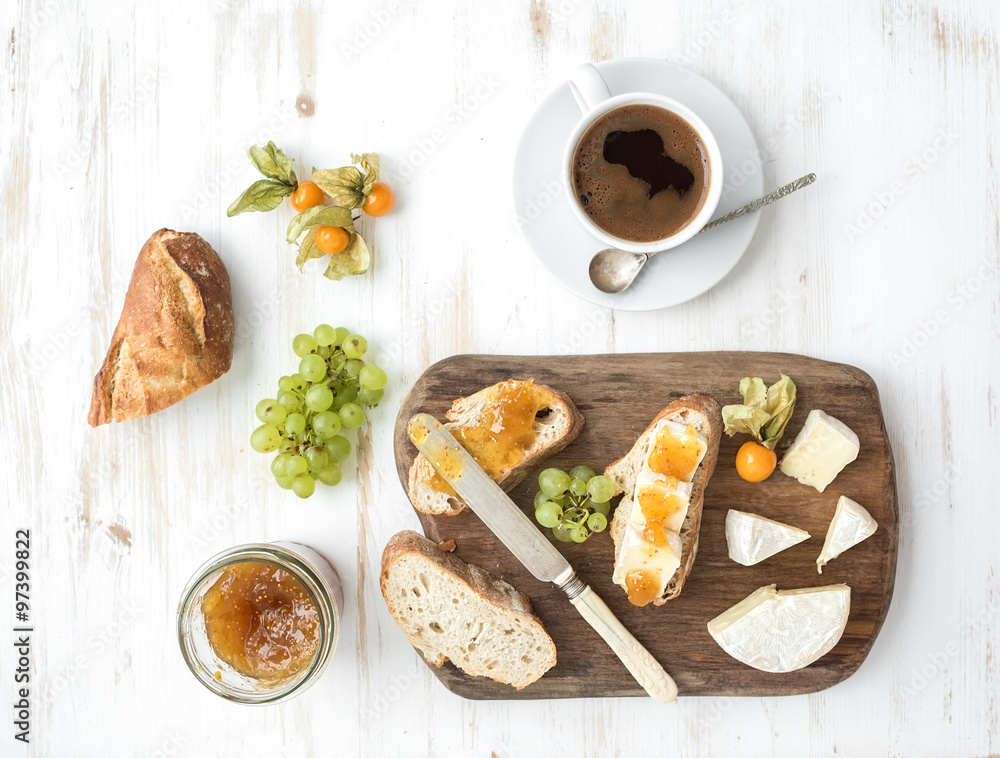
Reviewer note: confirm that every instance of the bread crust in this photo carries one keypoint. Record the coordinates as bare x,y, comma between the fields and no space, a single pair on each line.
491,588
622,472
175,333
421,468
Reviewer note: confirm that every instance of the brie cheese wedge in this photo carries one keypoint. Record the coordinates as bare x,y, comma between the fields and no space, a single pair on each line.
851,524
782,631
752,538
820,451
651,545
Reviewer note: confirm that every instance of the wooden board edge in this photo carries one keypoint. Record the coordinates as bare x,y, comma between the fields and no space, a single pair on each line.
891,493
478,689
400,439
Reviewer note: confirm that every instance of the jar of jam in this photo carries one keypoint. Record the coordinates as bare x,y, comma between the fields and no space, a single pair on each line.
259,623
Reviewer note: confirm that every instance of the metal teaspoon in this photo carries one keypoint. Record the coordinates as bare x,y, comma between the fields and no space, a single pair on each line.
613,270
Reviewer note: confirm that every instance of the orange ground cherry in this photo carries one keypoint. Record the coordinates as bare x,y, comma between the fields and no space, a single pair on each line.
754,462
306,195
380,201
332,239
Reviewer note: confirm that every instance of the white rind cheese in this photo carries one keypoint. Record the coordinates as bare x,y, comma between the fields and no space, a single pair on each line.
781,631
821,450
637,554
752,538
850,525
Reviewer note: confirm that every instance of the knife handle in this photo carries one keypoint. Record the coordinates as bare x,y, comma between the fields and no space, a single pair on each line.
636,658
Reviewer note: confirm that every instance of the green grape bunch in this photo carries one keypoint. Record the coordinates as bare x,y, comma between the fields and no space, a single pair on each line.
303,423
573,505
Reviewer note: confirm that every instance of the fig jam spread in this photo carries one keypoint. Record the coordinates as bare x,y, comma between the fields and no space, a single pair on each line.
261,621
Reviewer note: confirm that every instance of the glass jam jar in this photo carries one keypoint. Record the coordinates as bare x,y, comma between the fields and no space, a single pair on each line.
258,623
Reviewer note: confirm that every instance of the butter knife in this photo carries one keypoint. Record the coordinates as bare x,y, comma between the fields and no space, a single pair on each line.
508,522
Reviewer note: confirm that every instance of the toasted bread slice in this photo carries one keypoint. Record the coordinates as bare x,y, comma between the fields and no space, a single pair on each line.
452,610
556,424
706,415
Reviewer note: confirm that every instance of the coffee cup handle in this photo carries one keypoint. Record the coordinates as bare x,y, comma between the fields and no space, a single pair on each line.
588,87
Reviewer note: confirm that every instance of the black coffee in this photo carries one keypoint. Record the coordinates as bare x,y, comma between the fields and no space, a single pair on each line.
641,173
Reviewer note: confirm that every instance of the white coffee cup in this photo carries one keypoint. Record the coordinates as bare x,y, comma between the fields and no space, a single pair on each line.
595,99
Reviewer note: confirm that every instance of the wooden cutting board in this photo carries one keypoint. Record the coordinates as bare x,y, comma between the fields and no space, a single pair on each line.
619,395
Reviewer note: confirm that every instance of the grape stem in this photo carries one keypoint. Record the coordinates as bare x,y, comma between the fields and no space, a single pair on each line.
577,519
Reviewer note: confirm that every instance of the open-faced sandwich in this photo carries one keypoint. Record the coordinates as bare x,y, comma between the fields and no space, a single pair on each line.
663,478
508,428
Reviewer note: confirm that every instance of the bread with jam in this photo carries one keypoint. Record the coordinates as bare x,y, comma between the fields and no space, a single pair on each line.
509,428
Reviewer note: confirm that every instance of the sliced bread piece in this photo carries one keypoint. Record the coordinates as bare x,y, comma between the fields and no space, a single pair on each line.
452,610
705,414
547,421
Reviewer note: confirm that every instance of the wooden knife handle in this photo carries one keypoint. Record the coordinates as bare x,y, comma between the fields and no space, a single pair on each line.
636,658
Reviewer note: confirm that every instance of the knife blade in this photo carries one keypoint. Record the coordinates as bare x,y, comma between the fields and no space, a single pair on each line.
515,530
485,498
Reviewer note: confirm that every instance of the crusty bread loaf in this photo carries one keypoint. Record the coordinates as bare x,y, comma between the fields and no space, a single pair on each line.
706,416
452,610
175,333
556,425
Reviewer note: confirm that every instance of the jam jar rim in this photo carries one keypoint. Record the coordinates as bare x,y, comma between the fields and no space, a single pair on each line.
316,585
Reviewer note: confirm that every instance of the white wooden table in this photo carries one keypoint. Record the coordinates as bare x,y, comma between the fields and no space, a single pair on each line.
122,118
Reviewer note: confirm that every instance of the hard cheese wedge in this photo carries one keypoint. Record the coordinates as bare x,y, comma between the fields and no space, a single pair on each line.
851,524
782,631
820,451
752,538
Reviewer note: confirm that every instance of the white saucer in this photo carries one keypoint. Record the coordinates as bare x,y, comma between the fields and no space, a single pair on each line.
565,247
